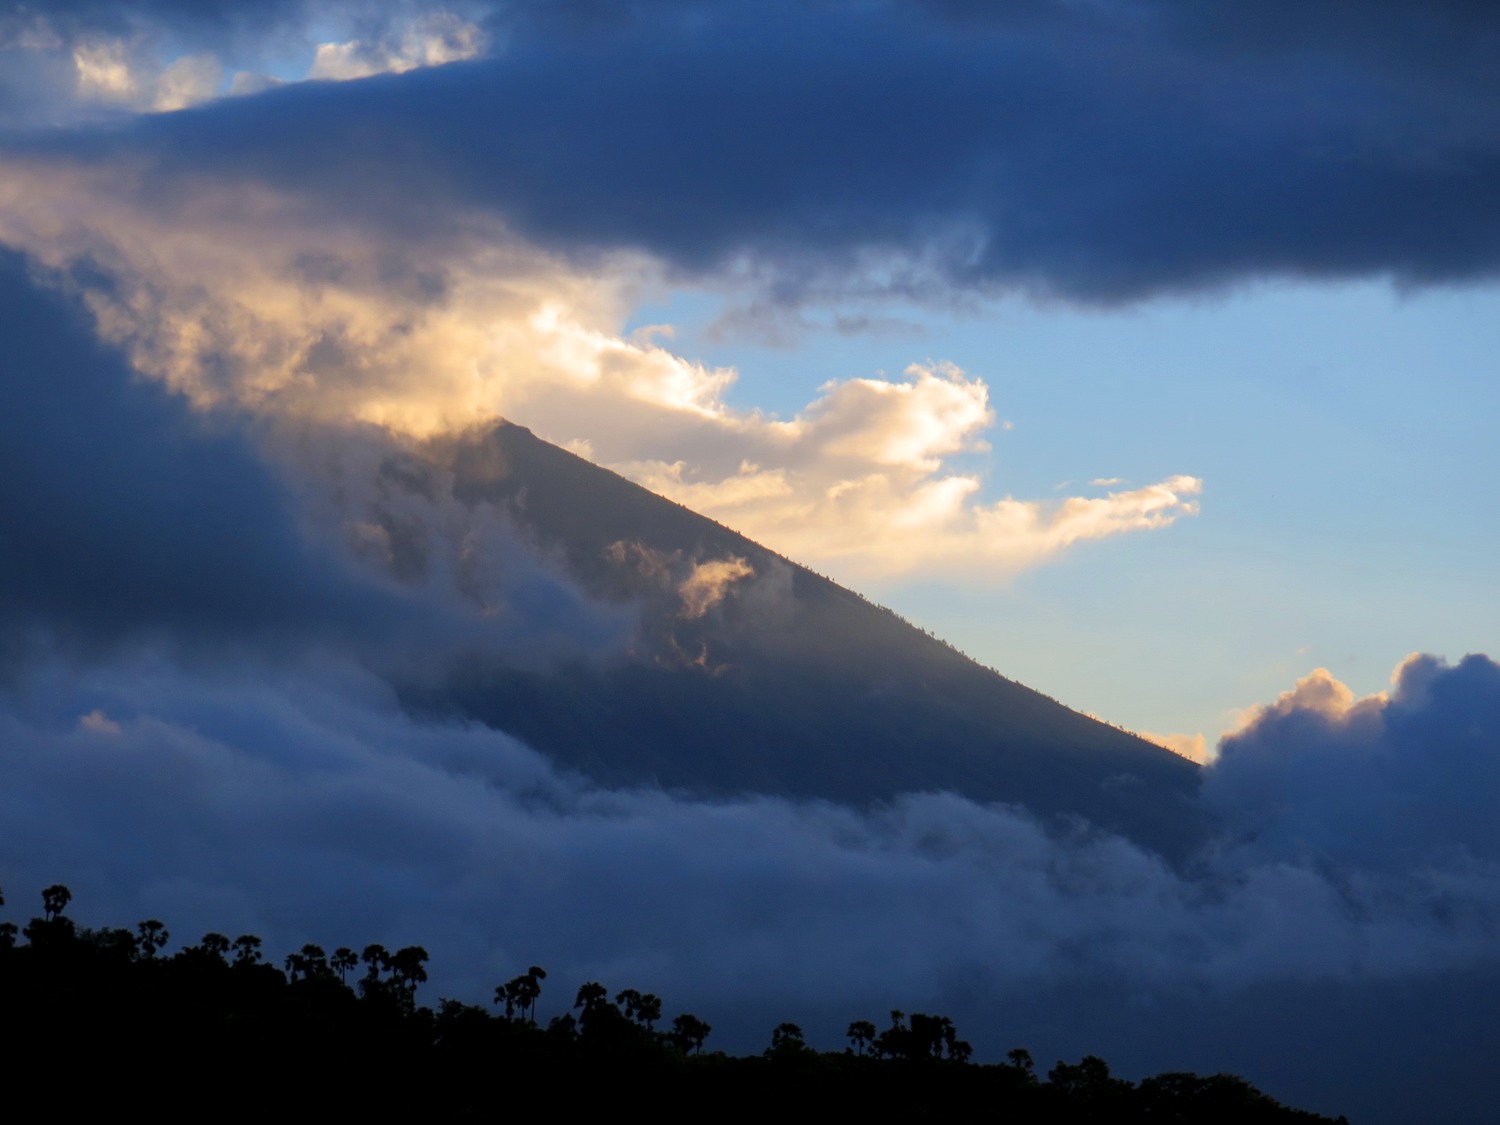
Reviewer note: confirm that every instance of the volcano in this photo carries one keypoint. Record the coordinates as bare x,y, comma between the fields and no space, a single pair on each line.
751,674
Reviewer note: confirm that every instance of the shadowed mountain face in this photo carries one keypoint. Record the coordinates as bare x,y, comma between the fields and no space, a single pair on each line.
752,674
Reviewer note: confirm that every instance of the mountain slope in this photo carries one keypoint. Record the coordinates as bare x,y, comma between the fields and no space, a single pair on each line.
752,674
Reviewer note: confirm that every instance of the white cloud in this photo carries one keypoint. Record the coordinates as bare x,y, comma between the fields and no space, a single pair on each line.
129,73
428,40
239,298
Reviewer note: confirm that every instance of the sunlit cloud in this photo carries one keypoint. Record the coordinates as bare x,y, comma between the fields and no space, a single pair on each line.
428,40
241,298
709,582
1192,746
133,59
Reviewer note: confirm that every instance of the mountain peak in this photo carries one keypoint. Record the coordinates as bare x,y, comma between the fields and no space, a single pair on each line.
752,674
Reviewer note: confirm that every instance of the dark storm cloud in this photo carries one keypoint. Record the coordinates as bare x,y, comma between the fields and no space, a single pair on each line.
1090,156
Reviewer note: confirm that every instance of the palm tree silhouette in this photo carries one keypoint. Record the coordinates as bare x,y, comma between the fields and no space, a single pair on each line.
860,1033
689,1032
55,900
247,949
153,936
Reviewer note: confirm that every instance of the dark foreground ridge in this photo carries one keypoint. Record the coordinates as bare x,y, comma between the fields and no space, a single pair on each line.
104,1021
787,684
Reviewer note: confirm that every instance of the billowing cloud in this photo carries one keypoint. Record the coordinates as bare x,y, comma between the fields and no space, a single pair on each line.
127,515
277,305
858,484
294,799
1404,777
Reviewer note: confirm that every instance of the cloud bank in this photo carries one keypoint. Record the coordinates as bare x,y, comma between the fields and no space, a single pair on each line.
295,800
1100,153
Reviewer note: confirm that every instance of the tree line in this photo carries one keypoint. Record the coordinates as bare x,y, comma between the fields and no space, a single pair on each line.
105,1018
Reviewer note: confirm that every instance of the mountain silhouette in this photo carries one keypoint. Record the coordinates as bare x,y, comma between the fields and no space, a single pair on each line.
751,674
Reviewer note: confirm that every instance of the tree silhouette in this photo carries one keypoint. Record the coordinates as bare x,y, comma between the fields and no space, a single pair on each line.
55,900
508,994
344,961
860,1033
408,971
786,1040
528,989
247,950
377,960
1019,1058
926,1037
689,1032
216,945
153,936
591,997
648,1011
630,1002
316,961
1088,1085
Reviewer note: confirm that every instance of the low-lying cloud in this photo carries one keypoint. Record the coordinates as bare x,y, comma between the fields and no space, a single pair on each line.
295,800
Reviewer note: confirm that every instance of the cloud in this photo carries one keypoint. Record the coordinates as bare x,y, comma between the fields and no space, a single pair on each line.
123,73
709,583
97,722
892,520
1192,746
281,307
292,798
428,40
127,516
1404,777
1101,155
148,57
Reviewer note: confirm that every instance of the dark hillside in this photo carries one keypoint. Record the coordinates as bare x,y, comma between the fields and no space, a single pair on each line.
787,684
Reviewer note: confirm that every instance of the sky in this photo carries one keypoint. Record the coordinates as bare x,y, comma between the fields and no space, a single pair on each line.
1144,352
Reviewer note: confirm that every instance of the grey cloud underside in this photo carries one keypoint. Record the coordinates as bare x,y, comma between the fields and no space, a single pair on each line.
1097,158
